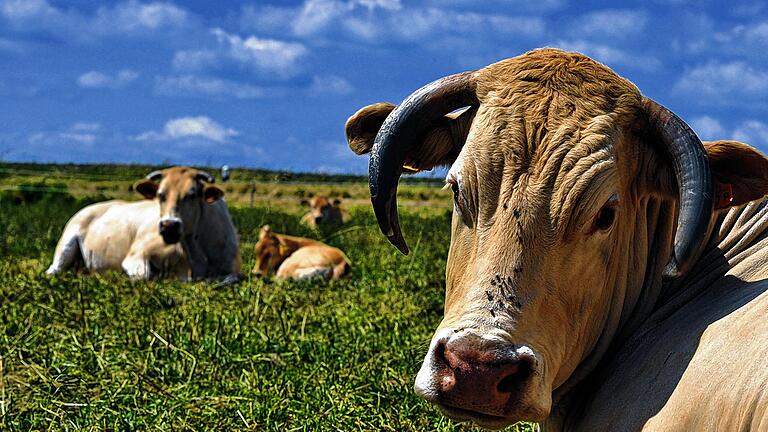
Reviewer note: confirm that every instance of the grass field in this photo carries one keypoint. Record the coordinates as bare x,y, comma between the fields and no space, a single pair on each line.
108,353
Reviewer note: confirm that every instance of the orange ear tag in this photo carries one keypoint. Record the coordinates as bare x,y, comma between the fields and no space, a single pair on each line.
410,169
723,195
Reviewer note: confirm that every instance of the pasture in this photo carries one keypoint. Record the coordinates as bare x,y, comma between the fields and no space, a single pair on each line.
108,353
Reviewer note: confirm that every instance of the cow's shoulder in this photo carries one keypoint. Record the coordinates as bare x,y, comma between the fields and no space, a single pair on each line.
700,368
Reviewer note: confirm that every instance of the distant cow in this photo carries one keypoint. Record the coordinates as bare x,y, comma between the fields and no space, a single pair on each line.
297,258
183,228
323,212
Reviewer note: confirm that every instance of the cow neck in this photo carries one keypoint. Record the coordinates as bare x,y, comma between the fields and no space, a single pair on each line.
732,235
294,243
190,241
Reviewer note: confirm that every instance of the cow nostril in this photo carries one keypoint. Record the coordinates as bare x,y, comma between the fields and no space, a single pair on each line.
440,354
517,374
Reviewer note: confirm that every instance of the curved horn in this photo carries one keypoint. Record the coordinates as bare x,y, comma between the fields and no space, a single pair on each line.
155,175
694,181
204,176
400,132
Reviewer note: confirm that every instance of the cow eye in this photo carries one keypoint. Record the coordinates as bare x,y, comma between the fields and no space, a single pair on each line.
459,200
161,196
607,215
454,185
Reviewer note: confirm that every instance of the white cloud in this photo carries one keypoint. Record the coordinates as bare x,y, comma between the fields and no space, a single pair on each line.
267,18
85,138
745,35
190,127
128,18
612,23
418,24
86,126
11,45
708,128
330,84
80,135
610,56
261,54
522,6
723,83
190,85
317,14
753,132
95,79
133,16
195,59
22,9
384,21
382,4
741,40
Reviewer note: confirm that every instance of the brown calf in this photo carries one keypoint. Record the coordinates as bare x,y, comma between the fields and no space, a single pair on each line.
297,258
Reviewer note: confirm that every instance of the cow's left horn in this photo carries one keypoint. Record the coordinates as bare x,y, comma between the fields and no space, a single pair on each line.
155,175
204,176
694,182
401,131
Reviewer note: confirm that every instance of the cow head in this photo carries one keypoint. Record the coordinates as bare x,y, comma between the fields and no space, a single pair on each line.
182,194
573,195
323,211
269,252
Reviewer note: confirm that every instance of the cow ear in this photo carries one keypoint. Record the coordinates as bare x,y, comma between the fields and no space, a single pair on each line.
211,194
442,140
264,231
362,126
739,171
147,189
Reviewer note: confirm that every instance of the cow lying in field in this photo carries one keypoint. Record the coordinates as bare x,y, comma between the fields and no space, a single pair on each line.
291,257
323,212
183,228
607,271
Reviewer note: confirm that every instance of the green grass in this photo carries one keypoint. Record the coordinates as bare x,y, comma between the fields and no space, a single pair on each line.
107,353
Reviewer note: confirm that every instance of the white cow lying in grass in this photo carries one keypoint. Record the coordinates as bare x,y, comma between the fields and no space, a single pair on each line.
182,229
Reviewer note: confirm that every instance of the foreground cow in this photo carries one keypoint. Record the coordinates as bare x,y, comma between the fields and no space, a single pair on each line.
607,272
323,212
186,231
297,258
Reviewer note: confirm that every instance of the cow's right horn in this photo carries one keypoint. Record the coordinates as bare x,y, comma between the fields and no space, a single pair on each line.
204,176
155,175
694,181
402,130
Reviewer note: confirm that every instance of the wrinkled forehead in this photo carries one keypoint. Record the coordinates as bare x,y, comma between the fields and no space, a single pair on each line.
541,112
544,79
179,179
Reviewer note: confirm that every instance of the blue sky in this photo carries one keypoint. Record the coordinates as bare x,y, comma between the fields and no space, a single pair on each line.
270,83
